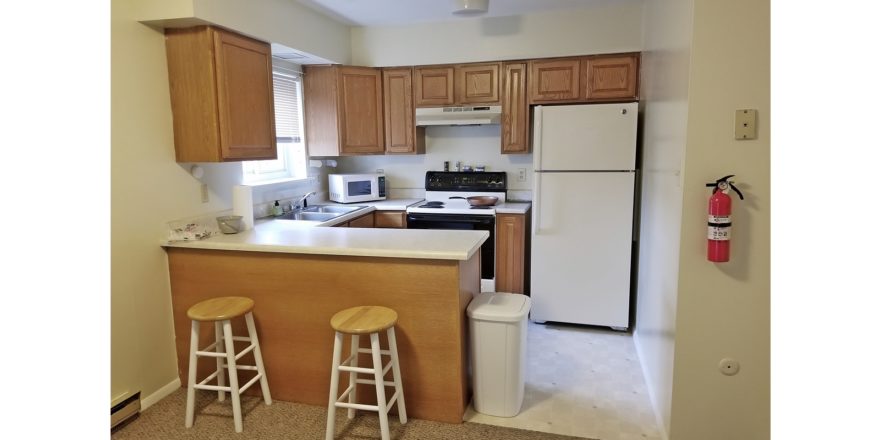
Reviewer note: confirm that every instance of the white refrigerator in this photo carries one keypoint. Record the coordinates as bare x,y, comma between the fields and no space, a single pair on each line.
582,213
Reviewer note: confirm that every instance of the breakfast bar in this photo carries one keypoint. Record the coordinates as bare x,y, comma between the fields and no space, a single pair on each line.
299,277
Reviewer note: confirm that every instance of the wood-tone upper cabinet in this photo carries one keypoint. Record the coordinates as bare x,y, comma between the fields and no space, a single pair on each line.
511,252
477,83
390,219
221,95
610,77
460,84
343,110
514,109
554,80
401,134
434,86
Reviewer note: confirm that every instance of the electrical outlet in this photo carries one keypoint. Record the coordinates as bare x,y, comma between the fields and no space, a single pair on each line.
521,175
204,189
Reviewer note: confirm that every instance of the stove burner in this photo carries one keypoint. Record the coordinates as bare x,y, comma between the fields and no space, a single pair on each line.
433,204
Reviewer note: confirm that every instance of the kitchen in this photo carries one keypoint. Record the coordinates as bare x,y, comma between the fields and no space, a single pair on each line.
445,144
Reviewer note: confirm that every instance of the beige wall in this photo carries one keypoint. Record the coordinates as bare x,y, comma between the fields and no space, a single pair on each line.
604,28
665,63
149,188
724,309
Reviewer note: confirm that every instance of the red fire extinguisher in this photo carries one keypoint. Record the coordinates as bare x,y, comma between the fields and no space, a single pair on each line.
719,219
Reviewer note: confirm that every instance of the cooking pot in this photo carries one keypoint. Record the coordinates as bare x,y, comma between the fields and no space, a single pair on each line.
479,200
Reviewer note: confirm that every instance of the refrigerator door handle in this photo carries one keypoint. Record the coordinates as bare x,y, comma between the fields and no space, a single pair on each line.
537,135
536,203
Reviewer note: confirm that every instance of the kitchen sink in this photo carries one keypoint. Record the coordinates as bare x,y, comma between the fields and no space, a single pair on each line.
319,213
309,216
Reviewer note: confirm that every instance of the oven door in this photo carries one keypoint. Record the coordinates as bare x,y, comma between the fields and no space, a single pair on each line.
462,222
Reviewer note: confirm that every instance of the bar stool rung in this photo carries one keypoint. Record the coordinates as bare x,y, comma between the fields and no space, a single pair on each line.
368,351
387,383
356,369
251,382
391,400
245,351
358,406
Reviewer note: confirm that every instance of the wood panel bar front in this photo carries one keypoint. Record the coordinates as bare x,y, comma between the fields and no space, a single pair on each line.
295,296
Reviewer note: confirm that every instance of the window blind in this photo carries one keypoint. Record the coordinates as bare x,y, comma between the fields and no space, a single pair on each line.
287,111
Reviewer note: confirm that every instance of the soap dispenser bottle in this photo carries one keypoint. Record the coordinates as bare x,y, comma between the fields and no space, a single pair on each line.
276,210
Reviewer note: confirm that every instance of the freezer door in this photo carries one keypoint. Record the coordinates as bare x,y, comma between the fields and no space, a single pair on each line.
582,248
586,137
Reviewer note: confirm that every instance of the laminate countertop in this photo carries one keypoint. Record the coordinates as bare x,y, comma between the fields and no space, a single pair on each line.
301,237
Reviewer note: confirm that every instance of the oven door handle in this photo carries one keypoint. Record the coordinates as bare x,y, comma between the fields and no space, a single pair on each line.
430,218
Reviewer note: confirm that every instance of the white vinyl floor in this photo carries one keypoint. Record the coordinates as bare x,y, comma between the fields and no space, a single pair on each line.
583,382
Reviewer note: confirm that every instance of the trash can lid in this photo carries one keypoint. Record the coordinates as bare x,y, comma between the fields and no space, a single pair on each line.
499,307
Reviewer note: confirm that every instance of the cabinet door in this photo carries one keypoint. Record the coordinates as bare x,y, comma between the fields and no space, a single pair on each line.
401,134
477,83
245,97
360,94
510,253
554,80
390,219
611,78
434,86
514,110
364,221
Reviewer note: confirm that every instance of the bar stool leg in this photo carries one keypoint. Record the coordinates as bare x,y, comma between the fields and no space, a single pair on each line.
258,357
233,374
380,386
395,368
191,377
221,375
352,375
334,387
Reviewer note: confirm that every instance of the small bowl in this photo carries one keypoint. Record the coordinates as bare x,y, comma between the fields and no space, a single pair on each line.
230,224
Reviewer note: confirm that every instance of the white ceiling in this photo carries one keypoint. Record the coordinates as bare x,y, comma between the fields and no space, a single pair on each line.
398,12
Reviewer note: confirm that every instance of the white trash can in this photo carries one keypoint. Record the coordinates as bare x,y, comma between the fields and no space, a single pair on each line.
498,323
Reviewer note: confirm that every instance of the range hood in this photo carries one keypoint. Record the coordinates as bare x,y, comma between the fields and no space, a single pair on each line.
465,115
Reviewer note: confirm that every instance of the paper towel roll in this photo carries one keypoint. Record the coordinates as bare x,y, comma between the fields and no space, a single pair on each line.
243,205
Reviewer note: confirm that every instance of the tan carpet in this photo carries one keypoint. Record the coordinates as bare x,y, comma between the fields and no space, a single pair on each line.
285,420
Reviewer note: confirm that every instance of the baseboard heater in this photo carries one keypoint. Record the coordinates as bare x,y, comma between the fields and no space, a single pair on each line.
125,410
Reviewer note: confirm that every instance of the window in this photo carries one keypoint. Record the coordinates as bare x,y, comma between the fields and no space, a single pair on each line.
292,160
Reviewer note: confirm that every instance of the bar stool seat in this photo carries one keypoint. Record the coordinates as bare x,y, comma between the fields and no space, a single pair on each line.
221,311
357,321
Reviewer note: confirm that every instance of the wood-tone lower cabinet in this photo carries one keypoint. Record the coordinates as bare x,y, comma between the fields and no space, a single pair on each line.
401,134
343,110
610,77
390,219
222,99
512,252
514,110
364,221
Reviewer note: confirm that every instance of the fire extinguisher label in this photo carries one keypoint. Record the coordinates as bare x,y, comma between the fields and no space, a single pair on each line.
719,233
719,218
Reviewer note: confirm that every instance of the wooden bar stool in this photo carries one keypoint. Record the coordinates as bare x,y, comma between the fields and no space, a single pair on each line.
356,321
221,311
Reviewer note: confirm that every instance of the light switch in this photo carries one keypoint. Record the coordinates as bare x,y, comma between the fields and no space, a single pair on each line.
745,124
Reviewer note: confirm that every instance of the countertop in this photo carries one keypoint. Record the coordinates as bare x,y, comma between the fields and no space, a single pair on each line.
380,205
513,208
299,237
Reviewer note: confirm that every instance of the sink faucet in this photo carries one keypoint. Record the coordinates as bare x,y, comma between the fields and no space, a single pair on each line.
302,202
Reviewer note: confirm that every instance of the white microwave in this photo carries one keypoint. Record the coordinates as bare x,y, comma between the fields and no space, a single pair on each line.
352,188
